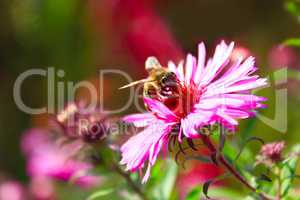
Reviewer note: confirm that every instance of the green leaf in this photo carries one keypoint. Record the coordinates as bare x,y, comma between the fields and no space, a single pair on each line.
288,171
292,42
226,192
292,7
247,130
169,180
163,186
249,198
100,193
194,194
156,171
215,193
245,143
290,198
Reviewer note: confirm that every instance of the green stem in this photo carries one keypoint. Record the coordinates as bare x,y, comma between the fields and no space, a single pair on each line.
133,186
114,166
206,140
279,184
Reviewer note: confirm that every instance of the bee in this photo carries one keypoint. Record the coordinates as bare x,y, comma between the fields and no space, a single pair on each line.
160,84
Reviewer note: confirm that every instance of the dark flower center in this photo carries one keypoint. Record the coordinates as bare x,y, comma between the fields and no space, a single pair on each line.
180,98
94,132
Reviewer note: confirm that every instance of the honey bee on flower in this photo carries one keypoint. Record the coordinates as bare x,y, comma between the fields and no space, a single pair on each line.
198,93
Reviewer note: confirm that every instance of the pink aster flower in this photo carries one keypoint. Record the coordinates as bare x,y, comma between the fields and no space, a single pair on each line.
50,159
216,91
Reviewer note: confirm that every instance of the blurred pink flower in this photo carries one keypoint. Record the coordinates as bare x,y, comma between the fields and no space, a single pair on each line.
41,188
206,94
33,140
282,56
239,52
148,36
12,190
87,181
49,158
137,27
197,175
273,150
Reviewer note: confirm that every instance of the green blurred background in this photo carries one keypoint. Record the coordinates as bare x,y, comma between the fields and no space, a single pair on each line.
81,37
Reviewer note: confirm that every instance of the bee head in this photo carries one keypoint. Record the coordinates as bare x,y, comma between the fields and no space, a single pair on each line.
169,79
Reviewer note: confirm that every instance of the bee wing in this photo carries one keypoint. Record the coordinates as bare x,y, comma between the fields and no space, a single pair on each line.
134,83
152,63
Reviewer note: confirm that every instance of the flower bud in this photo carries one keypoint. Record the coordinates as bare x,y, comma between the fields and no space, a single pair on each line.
271,153
79,122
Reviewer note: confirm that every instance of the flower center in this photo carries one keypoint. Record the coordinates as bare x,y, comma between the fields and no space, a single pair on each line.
181,98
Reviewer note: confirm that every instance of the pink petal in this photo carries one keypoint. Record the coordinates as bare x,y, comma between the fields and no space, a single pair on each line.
154,151
236,73
190,68
180,135
160,110
193,121
246,97
180,71
220,59
230,100
147,174
172,67
143,146
201,62
227,118
188,128
140,120
226,77
236,113
236,88
212,103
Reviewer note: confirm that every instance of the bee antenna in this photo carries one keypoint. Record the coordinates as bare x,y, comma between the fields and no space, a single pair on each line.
134,83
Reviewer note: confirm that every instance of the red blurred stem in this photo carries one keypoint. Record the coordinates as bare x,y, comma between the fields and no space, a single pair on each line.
220,157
